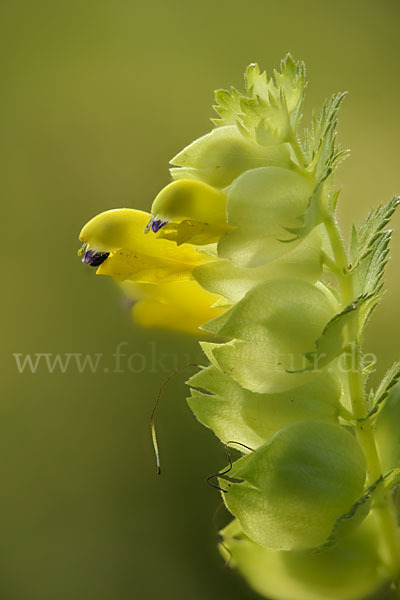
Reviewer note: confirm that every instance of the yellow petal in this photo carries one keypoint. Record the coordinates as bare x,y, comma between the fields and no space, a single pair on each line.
180,306
192,200
134,255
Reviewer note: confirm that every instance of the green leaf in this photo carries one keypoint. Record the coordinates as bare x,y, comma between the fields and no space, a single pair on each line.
320,146
389,380
256,82
371,230
369,251
292,82
371,267
228,107
269,110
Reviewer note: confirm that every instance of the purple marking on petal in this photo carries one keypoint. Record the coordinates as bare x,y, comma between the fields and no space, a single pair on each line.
93,258
157,224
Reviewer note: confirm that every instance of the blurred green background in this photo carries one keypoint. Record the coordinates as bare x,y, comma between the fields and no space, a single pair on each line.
96,97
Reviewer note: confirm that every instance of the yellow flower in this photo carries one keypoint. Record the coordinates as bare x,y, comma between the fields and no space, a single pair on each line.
181,306
190,211
167,294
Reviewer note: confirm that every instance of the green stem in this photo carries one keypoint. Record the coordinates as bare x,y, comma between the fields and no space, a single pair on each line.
383,503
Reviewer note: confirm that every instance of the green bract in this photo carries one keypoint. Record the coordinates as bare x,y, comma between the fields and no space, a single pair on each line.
302,261
235,413
261,204
291,490
286,381
243,247
220,156
272,327
350,570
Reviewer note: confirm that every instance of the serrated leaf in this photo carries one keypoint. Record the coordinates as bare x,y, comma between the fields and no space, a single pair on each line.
228,106
371,229
256,82
369,251
292,81
320,146
269,110
389,380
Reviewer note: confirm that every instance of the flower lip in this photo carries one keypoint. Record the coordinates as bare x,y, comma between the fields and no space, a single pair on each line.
94,258
154,224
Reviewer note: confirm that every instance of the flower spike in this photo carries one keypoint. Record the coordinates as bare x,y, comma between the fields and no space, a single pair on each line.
243,248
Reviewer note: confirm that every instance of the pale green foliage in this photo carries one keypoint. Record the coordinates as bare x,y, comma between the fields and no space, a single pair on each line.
369,253
290,492
370,247
220,156
389,380
269,111
251,218
305,525
235,413
320,148
272,328
261,204
365,240
347,571
276,382
303,261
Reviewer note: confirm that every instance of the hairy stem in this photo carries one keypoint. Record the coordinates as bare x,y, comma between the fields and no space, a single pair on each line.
383,504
